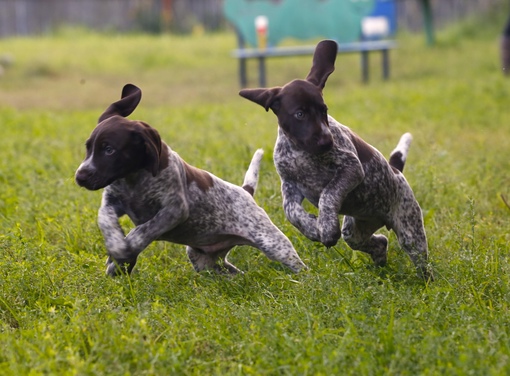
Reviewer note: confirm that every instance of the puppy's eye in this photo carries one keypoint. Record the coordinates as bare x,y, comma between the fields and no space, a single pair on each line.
108,150
299,115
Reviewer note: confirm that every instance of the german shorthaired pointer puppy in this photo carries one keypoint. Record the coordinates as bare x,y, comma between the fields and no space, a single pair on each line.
167,199
323,161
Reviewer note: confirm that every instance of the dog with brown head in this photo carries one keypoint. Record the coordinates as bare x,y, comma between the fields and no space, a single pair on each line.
299,105
168,199
118,146
323,161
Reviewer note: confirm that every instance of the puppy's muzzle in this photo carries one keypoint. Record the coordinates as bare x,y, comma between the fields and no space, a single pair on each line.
320,144
325,143
86,178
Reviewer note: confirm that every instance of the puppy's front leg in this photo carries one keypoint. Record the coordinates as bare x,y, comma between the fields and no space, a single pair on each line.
142,235
305,222
165,220
349,175
115,242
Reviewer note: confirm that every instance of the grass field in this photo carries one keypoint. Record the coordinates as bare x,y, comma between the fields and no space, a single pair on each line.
59,313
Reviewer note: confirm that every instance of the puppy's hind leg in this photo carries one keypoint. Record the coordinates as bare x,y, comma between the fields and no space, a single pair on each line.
412,238
359,235
216,261
276,246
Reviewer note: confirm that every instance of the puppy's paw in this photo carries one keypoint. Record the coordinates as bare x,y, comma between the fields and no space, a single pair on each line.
296,265
426,273
330,240
329,228
379,253
330,234
115,268
227,268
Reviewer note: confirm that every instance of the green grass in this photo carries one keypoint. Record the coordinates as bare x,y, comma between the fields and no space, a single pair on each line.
59,313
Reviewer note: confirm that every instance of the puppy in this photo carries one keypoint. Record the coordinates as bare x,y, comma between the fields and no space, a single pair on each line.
323,161
167,199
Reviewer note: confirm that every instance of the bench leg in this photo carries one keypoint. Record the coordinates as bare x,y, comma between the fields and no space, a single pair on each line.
364,66
243,80
262,72
386,64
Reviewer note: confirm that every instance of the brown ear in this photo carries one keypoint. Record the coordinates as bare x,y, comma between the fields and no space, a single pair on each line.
152,142
267,98
323,63
131,96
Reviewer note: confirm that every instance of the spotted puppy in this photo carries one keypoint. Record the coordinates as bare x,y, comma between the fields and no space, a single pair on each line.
323,161
167,199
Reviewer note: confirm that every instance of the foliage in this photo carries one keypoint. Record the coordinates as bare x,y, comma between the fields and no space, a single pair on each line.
59,314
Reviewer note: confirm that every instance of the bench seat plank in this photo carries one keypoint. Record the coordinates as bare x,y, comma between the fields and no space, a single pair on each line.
364,47
250,53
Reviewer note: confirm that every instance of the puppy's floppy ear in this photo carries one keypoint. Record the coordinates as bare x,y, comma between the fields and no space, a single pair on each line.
131,96
152,142
323,63
267,98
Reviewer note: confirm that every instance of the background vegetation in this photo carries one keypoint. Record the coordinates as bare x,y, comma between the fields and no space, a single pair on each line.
59,314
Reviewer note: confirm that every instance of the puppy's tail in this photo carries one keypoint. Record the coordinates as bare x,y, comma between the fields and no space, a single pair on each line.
251,177
399,155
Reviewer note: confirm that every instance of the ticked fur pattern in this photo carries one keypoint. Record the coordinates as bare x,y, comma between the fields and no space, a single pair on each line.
325,162
170,200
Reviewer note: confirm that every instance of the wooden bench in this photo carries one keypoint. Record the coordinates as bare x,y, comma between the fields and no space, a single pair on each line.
357,27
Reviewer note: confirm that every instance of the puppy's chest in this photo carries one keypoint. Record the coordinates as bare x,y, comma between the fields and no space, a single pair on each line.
305,170
140,204
309,173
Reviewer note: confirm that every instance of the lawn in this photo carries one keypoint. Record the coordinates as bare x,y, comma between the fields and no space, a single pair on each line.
59,313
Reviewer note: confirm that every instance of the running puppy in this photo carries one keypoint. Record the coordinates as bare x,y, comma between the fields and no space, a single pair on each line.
323,161
167,199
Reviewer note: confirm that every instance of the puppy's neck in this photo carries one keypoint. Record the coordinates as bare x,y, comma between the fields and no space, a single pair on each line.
137,178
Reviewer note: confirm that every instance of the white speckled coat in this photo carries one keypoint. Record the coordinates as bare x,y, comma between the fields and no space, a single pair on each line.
323,161
167,199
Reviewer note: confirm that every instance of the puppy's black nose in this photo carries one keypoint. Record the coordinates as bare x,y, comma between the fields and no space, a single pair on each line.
82,176
325,143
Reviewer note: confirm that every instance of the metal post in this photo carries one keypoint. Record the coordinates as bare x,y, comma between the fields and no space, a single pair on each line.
262,71
242,72
386,64
364,66
428,22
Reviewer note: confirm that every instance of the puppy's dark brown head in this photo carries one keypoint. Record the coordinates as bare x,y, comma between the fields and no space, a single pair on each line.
118,147
299,105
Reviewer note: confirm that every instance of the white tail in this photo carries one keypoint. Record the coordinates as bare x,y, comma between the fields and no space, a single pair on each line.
251,177
399,155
